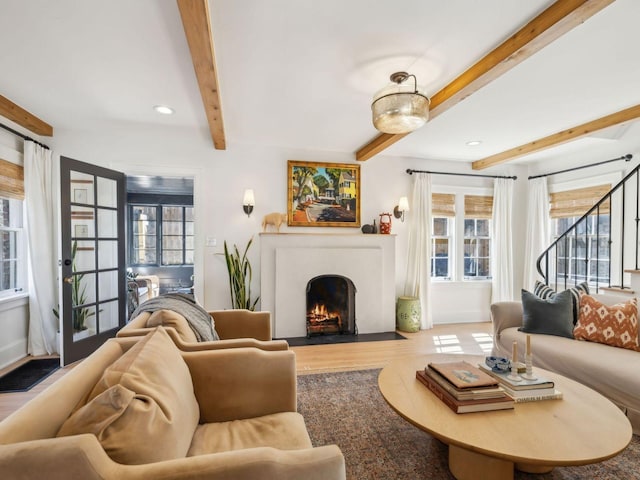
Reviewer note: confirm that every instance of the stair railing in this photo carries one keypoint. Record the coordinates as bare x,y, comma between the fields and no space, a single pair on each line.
550,257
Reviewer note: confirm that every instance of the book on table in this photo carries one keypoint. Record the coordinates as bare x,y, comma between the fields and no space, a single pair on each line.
477,393
463,375
464,406
538,394
523,384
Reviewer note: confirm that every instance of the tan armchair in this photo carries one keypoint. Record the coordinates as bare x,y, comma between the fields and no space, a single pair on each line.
236,328
238,421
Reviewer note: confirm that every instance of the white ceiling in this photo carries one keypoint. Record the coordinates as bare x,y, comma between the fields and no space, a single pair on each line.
301,73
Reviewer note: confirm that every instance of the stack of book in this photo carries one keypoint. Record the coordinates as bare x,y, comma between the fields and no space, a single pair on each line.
464,388
525,390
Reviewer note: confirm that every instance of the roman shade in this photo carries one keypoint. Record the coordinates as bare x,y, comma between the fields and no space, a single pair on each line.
478,206
575,203
11,180
443,205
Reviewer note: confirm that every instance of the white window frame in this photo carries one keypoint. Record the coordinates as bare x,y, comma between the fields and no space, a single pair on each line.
19,281
476,278
451,250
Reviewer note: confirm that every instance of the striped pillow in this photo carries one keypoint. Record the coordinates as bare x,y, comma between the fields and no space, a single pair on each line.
545,292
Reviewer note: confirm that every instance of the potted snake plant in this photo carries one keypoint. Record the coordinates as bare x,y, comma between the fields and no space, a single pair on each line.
240,275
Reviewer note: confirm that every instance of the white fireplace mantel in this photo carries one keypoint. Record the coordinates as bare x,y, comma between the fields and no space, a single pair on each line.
289,260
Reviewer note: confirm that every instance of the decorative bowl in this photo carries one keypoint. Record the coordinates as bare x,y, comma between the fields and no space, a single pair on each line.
498,364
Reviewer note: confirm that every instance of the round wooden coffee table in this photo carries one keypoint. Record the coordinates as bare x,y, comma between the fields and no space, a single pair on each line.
584,427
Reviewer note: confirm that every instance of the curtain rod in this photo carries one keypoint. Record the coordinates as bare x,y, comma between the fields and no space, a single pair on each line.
410,172
18,134
626,158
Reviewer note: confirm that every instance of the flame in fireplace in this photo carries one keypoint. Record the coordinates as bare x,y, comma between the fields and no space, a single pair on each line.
319,314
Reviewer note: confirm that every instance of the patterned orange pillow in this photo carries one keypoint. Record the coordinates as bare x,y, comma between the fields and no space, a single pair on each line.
615,325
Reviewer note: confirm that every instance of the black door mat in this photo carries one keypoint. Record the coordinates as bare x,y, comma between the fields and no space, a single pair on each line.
328,339
28,375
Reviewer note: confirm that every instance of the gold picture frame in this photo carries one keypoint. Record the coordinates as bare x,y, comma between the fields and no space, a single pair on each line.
321,194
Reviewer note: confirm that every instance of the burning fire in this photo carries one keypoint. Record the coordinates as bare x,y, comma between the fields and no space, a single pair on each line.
319,313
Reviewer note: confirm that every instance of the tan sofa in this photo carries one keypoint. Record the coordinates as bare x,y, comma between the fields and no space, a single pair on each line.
236,328
205,414
611,371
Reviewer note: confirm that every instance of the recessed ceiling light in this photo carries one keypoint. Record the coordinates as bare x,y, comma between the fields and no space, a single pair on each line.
473,143
163,109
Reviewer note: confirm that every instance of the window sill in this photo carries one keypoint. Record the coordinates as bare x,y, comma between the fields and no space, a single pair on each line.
13,301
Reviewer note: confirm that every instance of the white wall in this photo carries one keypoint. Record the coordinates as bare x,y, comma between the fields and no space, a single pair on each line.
222,176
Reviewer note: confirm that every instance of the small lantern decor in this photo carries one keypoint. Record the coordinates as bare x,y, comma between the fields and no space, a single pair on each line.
385,223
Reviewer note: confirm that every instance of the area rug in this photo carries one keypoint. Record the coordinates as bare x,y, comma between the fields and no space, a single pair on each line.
329,339
348,410
28,375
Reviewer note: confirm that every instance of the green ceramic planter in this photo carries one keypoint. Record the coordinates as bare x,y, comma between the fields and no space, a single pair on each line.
408,312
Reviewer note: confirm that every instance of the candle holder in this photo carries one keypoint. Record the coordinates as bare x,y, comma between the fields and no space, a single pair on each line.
528,362
513,376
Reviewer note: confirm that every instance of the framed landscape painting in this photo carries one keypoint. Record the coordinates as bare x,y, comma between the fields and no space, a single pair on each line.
323,194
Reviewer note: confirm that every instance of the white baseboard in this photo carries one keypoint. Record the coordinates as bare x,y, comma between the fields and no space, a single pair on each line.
13,352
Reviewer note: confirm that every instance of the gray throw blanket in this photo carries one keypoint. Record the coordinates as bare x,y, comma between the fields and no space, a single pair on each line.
197,317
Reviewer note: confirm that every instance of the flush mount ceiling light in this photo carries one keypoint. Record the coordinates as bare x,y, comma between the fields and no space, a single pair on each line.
473,143
399,107
163,109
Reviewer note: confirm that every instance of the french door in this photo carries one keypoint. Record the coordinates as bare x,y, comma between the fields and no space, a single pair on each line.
93,273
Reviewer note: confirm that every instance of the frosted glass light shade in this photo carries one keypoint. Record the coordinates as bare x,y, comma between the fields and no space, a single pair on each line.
403,204
398,108
248,199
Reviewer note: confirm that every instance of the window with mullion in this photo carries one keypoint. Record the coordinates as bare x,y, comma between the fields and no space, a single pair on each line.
477,248
177,235
584,256
144,234
12,254
441,249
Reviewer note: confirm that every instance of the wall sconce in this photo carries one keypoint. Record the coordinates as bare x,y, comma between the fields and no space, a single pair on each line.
248,202
403,206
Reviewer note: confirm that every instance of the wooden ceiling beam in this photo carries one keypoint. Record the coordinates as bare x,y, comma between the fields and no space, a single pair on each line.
559,138
19,115
197,28
551,24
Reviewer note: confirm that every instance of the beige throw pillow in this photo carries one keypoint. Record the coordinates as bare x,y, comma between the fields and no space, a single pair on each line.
143,409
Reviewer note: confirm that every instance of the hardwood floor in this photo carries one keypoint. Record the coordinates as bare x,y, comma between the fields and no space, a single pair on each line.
469,338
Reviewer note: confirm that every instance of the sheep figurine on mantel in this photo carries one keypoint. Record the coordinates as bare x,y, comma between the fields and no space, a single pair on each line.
274,219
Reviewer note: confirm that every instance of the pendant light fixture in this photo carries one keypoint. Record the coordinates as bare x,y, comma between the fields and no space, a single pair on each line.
400,107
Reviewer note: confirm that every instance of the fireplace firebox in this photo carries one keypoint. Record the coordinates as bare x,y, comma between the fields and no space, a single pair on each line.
331,305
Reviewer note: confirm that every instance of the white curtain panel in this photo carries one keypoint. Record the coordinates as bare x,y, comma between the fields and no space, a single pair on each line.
41,237
418,282
538,235
502,251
